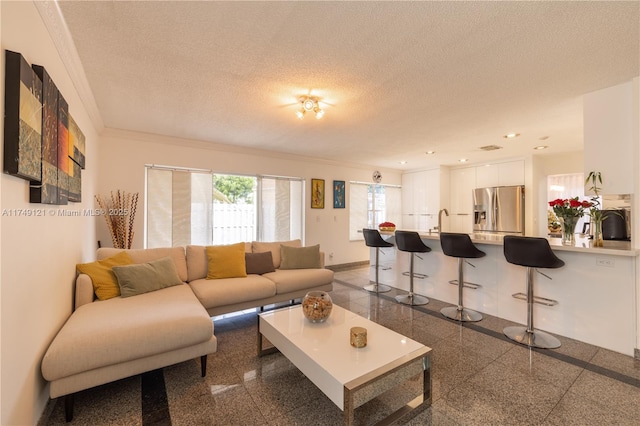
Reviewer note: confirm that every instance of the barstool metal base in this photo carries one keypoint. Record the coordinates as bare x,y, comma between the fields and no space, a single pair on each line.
412,299
377,288
463,314
535,339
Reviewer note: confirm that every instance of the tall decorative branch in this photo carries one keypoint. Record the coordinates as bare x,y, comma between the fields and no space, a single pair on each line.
119,211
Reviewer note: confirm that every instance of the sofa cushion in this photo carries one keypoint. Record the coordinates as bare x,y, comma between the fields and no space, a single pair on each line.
226,261
197,261
259,263
274,248
147,255
146,277
228,291
288,280
105,283
124,329
300,257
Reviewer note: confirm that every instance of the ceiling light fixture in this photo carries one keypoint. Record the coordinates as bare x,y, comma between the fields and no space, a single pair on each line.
430,152
539,147
309,104
463,160
511,135
402,162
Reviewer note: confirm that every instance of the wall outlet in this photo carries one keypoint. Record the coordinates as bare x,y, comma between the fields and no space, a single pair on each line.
609,263
331,255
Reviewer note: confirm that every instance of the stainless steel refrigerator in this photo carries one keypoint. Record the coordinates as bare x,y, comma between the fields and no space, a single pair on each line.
499,209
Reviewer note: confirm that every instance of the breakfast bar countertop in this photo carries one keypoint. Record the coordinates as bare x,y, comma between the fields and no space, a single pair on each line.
583,244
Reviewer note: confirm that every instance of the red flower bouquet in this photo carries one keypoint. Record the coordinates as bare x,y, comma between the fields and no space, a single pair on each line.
569,211
569,207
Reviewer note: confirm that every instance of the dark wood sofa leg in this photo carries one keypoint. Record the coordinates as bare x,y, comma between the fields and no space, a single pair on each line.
68,407
203,365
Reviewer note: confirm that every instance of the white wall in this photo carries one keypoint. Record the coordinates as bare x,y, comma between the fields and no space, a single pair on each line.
39,254
123,156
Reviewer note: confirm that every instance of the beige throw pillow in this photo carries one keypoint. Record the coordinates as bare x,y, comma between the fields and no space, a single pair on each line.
300,257
145,277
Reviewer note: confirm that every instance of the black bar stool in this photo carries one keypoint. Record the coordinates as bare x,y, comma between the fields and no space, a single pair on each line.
460,246
410,241
372,238
532,253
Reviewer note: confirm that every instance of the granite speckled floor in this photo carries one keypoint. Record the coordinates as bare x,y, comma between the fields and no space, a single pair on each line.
479,378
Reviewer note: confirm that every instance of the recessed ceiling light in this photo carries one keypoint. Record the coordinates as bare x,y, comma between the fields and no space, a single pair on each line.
463,160
402,162
539,147
511,135
543,138
430,152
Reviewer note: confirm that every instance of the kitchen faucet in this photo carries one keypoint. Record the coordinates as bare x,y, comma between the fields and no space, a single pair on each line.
445,211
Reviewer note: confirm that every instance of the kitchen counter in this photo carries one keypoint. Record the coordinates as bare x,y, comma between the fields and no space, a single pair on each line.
595,289
583,244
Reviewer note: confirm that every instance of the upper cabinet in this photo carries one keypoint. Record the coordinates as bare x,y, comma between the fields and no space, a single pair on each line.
500,174
609,119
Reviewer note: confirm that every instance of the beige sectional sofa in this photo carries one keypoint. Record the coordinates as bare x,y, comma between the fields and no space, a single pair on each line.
107,340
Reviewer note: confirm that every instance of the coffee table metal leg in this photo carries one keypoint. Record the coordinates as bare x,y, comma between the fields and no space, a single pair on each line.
423,399
261,351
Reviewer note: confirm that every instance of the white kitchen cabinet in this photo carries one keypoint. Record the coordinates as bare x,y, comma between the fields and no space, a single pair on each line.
462,183
487,175
511,173
500,174
610,116
420,199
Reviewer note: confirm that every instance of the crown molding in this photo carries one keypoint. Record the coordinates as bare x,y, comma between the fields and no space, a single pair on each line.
61,36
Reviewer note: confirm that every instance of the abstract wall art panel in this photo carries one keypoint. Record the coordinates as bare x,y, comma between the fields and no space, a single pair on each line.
23,119
46,191
75,183
63,150
76,143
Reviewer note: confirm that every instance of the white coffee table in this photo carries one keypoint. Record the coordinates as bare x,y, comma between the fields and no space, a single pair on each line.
348,376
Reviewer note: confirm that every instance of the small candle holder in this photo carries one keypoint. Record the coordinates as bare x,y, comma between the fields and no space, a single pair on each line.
358,337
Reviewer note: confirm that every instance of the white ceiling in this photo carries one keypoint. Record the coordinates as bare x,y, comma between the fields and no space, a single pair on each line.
397,78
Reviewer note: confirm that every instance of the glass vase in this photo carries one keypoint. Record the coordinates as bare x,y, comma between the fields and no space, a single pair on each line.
569,230
598,241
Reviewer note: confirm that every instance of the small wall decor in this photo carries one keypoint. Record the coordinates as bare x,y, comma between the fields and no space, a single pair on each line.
338,194
23,119
317,193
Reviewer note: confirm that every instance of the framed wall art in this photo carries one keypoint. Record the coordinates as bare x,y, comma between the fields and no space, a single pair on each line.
338,194
317,193
23,119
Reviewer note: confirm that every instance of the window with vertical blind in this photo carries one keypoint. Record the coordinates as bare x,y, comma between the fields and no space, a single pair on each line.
184,206
371,204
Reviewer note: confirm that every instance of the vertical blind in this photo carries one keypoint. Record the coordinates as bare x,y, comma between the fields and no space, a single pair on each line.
180,210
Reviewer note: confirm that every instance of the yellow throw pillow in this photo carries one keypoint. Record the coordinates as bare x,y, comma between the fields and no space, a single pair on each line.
105,283
226,261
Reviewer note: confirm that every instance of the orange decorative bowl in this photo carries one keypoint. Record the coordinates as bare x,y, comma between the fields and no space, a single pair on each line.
387,228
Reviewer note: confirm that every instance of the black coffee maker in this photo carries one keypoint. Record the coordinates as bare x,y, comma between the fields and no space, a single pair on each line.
614,225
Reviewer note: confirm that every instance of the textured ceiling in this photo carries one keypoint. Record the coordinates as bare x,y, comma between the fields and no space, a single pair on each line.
397,78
